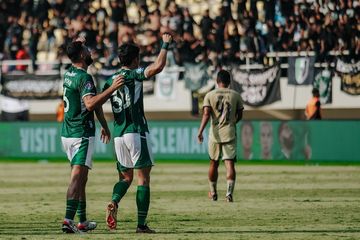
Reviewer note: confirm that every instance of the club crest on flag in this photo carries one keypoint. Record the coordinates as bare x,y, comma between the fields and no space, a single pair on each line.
301,70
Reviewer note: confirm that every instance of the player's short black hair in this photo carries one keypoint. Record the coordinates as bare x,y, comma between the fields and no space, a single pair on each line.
73,51
315,92
127,52
223,77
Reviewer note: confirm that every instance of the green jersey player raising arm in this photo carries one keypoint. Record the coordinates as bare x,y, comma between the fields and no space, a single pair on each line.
131,134
78,131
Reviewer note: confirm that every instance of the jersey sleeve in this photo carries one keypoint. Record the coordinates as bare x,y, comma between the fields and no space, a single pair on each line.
87,86
240,105
207,101
138,74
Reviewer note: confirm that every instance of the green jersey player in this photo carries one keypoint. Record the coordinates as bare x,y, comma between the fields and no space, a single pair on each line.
78,131
131,134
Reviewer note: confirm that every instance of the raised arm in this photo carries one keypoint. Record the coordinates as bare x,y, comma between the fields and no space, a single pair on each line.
94,101
160,61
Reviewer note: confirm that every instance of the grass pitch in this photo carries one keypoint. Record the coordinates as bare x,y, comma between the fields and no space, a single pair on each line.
271,202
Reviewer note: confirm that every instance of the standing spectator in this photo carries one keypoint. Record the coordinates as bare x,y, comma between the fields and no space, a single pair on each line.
118,12
313,110
206,24
188,22
22,54
190,48
60,111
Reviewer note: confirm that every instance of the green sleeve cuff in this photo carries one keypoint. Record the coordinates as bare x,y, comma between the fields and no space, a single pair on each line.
165,46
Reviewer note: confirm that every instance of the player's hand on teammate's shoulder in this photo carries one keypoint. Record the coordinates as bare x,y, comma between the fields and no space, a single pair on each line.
118,82
167,38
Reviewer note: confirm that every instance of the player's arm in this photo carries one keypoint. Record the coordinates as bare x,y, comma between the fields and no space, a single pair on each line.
317,111
105,132
239,110
204,121
94,101
239,114
160,61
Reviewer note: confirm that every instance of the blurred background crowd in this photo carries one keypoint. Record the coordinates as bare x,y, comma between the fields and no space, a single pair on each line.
218,31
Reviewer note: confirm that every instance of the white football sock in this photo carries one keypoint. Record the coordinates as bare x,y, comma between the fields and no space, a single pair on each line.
230,187
212,187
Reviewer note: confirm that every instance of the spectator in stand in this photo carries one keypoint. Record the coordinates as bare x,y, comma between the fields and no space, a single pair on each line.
188,22
22,54
271,25
190,48
206,24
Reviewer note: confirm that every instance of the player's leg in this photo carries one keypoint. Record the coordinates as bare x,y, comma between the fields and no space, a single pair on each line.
121,187
119,191
230,179
84,225
72,197
143,199
229,156
124,167
143,161
79,152
214,154
81,209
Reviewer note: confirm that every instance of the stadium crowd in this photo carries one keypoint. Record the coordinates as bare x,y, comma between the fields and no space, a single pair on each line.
31,27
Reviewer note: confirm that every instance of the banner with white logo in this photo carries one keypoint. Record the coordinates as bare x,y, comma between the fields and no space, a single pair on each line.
165,84
323,82
257,87
350,76
196,75
32,86
301,70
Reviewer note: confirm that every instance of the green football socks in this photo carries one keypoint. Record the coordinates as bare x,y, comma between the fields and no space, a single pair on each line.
142,202
81,211
119,191
71,207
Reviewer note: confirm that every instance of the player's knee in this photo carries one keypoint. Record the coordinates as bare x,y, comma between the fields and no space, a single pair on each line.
128,179
144,181
127,176
214,163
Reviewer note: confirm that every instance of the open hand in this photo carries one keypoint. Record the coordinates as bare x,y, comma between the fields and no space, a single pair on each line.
105,135
167,38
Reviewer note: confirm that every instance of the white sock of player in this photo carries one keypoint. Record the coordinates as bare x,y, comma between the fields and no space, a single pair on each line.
230,187
212,187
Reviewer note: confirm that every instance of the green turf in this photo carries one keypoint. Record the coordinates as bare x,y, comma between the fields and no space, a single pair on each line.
271,202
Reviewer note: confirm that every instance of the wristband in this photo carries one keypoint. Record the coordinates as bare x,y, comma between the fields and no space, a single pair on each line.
165,46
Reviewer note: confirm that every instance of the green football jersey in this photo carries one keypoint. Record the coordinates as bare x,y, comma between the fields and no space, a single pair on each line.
127,103
78,121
